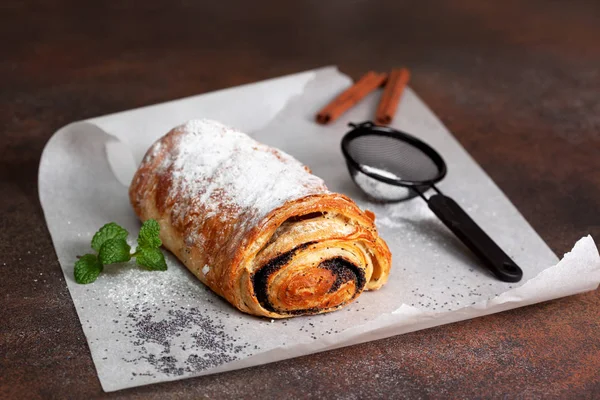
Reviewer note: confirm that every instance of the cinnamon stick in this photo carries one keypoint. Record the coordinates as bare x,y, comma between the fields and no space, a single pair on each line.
397,80
365,85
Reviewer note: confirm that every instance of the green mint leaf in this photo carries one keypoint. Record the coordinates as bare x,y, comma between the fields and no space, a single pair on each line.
114,251
107,232
149,234
87,269
151,259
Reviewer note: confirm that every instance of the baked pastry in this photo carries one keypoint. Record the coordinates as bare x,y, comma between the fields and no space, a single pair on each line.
254,225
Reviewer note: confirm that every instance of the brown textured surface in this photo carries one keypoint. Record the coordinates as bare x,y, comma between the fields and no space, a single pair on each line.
517,83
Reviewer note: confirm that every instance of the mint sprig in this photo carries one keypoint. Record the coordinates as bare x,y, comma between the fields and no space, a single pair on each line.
150,259
149,235
114,251
107,232
147,253
111,244
87,269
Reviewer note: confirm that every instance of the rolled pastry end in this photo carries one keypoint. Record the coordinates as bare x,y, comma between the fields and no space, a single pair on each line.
301,281
320,257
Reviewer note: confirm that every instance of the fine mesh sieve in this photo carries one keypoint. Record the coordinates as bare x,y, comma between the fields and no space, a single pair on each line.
379,159
389,165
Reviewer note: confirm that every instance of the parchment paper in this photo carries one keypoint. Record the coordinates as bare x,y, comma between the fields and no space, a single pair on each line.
147,327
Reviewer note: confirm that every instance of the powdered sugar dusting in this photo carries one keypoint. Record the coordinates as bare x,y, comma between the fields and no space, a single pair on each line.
379,190
380,172
376,189
231,174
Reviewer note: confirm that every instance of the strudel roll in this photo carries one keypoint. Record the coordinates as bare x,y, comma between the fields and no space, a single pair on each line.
254,225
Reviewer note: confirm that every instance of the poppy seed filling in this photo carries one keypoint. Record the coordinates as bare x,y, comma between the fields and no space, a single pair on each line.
343,270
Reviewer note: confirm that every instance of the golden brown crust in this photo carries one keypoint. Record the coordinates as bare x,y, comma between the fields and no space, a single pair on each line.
275,256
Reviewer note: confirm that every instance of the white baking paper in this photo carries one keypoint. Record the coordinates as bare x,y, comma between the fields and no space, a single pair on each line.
147,327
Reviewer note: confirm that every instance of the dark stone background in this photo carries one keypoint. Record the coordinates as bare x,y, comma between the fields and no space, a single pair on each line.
517,82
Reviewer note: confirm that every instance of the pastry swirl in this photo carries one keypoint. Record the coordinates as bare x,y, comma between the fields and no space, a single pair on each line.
254,225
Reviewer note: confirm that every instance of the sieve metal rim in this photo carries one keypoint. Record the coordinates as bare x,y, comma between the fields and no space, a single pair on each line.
369,129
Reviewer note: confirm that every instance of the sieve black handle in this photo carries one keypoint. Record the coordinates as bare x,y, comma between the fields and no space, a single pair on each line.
459,222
